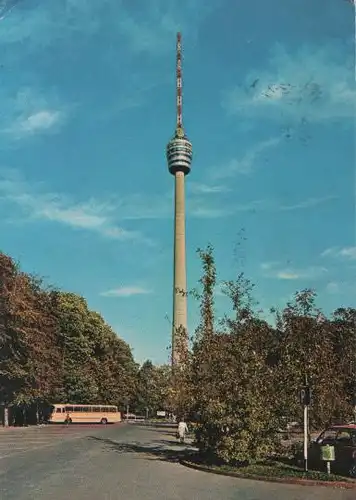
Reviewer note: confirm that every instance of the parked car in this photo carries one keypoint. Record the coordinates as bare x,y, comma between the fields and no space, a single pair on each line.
131,417
343,438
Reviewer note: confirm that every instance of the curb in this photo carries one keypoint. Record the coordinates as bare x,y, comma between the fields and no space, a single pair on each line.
4,428
301,482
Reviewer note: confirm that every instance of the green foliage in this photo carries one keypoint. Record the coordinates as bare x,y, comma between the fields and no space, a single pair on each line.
307,348
54,349
29,368
152,388
242,382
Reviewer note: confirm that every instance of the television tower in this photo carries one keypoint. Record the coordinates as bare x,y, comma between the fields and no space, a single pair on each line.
179,154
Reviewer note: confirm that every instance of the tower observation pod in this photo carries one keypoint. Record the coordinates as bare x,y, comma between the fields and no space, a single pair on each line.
179,154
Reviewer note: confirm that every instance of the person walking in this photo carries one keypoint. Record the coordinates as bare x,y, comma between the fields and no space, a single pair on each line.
182,430
68,419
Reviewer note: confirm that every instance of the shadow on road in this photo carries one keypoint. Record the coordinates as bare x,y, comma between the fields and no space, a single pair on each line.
165,432
163,449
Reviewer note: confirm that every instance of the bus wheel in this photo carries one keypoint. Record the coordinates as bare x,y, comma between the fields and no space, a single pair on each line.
104,421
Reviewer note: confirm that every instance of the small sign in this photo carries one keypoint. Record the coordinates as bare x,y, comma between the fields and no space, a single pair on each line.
328,453
161,413
305,395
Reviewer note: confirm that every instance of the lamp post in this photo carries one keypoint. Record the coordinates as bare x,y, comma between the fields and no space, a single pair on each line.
305,399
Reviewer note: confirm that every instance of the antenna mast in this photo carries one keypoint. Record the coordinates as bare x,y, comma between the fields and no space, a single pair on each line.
179,125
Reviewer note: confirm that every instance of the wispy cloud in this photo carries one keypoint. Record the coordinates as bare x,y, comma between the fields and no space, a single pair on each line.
126,291
6,6
266,266
37,122
108,218
245,165
348,289
141,207
197,188
276,271
149,30
308,203
27,113
145,30
288,275
277,206
201,206
332,287
38,205
210,213
313,83
348,253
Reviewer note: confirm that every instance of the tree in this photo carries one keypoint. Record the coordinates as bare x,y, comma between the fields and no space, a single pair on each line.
116,372
13,348
306,350
237,418
54,349
343,332
152,388
97,365
29,356
77,343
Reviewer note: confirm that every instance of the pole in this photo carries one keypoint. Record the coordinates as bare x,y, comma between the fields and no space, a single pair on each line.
306,431
306,438
127,413
308,426
6,415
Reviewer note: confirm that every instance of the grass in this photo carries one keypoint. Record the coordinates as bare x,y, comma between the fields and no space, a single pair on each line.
270,469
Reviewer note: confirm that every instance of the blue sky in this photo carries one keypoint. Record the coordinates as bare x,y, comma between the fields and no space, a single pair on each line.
87,106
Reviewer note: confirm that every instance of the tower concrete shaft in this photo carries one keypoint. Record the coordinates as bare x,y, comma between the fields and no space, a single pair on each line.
180,274
179,154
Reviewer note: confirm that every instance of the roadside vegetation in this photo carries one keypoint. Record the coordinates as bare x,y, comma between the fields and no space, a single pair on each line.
242,376
54,349
268,469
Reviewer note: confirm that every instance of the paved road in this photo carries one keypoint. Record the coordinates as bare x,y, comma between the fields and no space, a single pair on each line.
124,461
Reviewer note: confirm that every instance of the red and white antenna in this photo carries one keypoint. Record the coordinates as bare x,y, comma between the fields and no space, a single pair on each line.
179,125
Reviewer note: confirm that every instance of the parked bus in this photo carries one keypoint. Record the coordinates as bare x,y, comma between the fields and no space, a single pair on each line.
83,414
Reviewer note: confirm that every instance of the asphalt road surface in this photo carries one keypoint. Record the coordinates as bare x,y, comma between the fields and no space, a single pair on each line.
121,462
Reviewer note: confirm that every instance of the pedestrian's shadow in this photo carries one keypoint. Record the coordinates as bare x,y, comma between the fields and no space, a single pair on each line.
162,450
164,432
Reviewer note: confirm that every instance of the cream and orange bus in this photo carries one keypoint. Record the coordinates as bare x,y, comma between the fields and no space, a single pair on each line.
83,414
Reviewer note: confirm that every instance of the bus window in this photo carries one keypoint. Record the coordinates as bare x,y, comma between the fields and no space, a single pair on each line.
69,408
77,408
86,408
59,410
